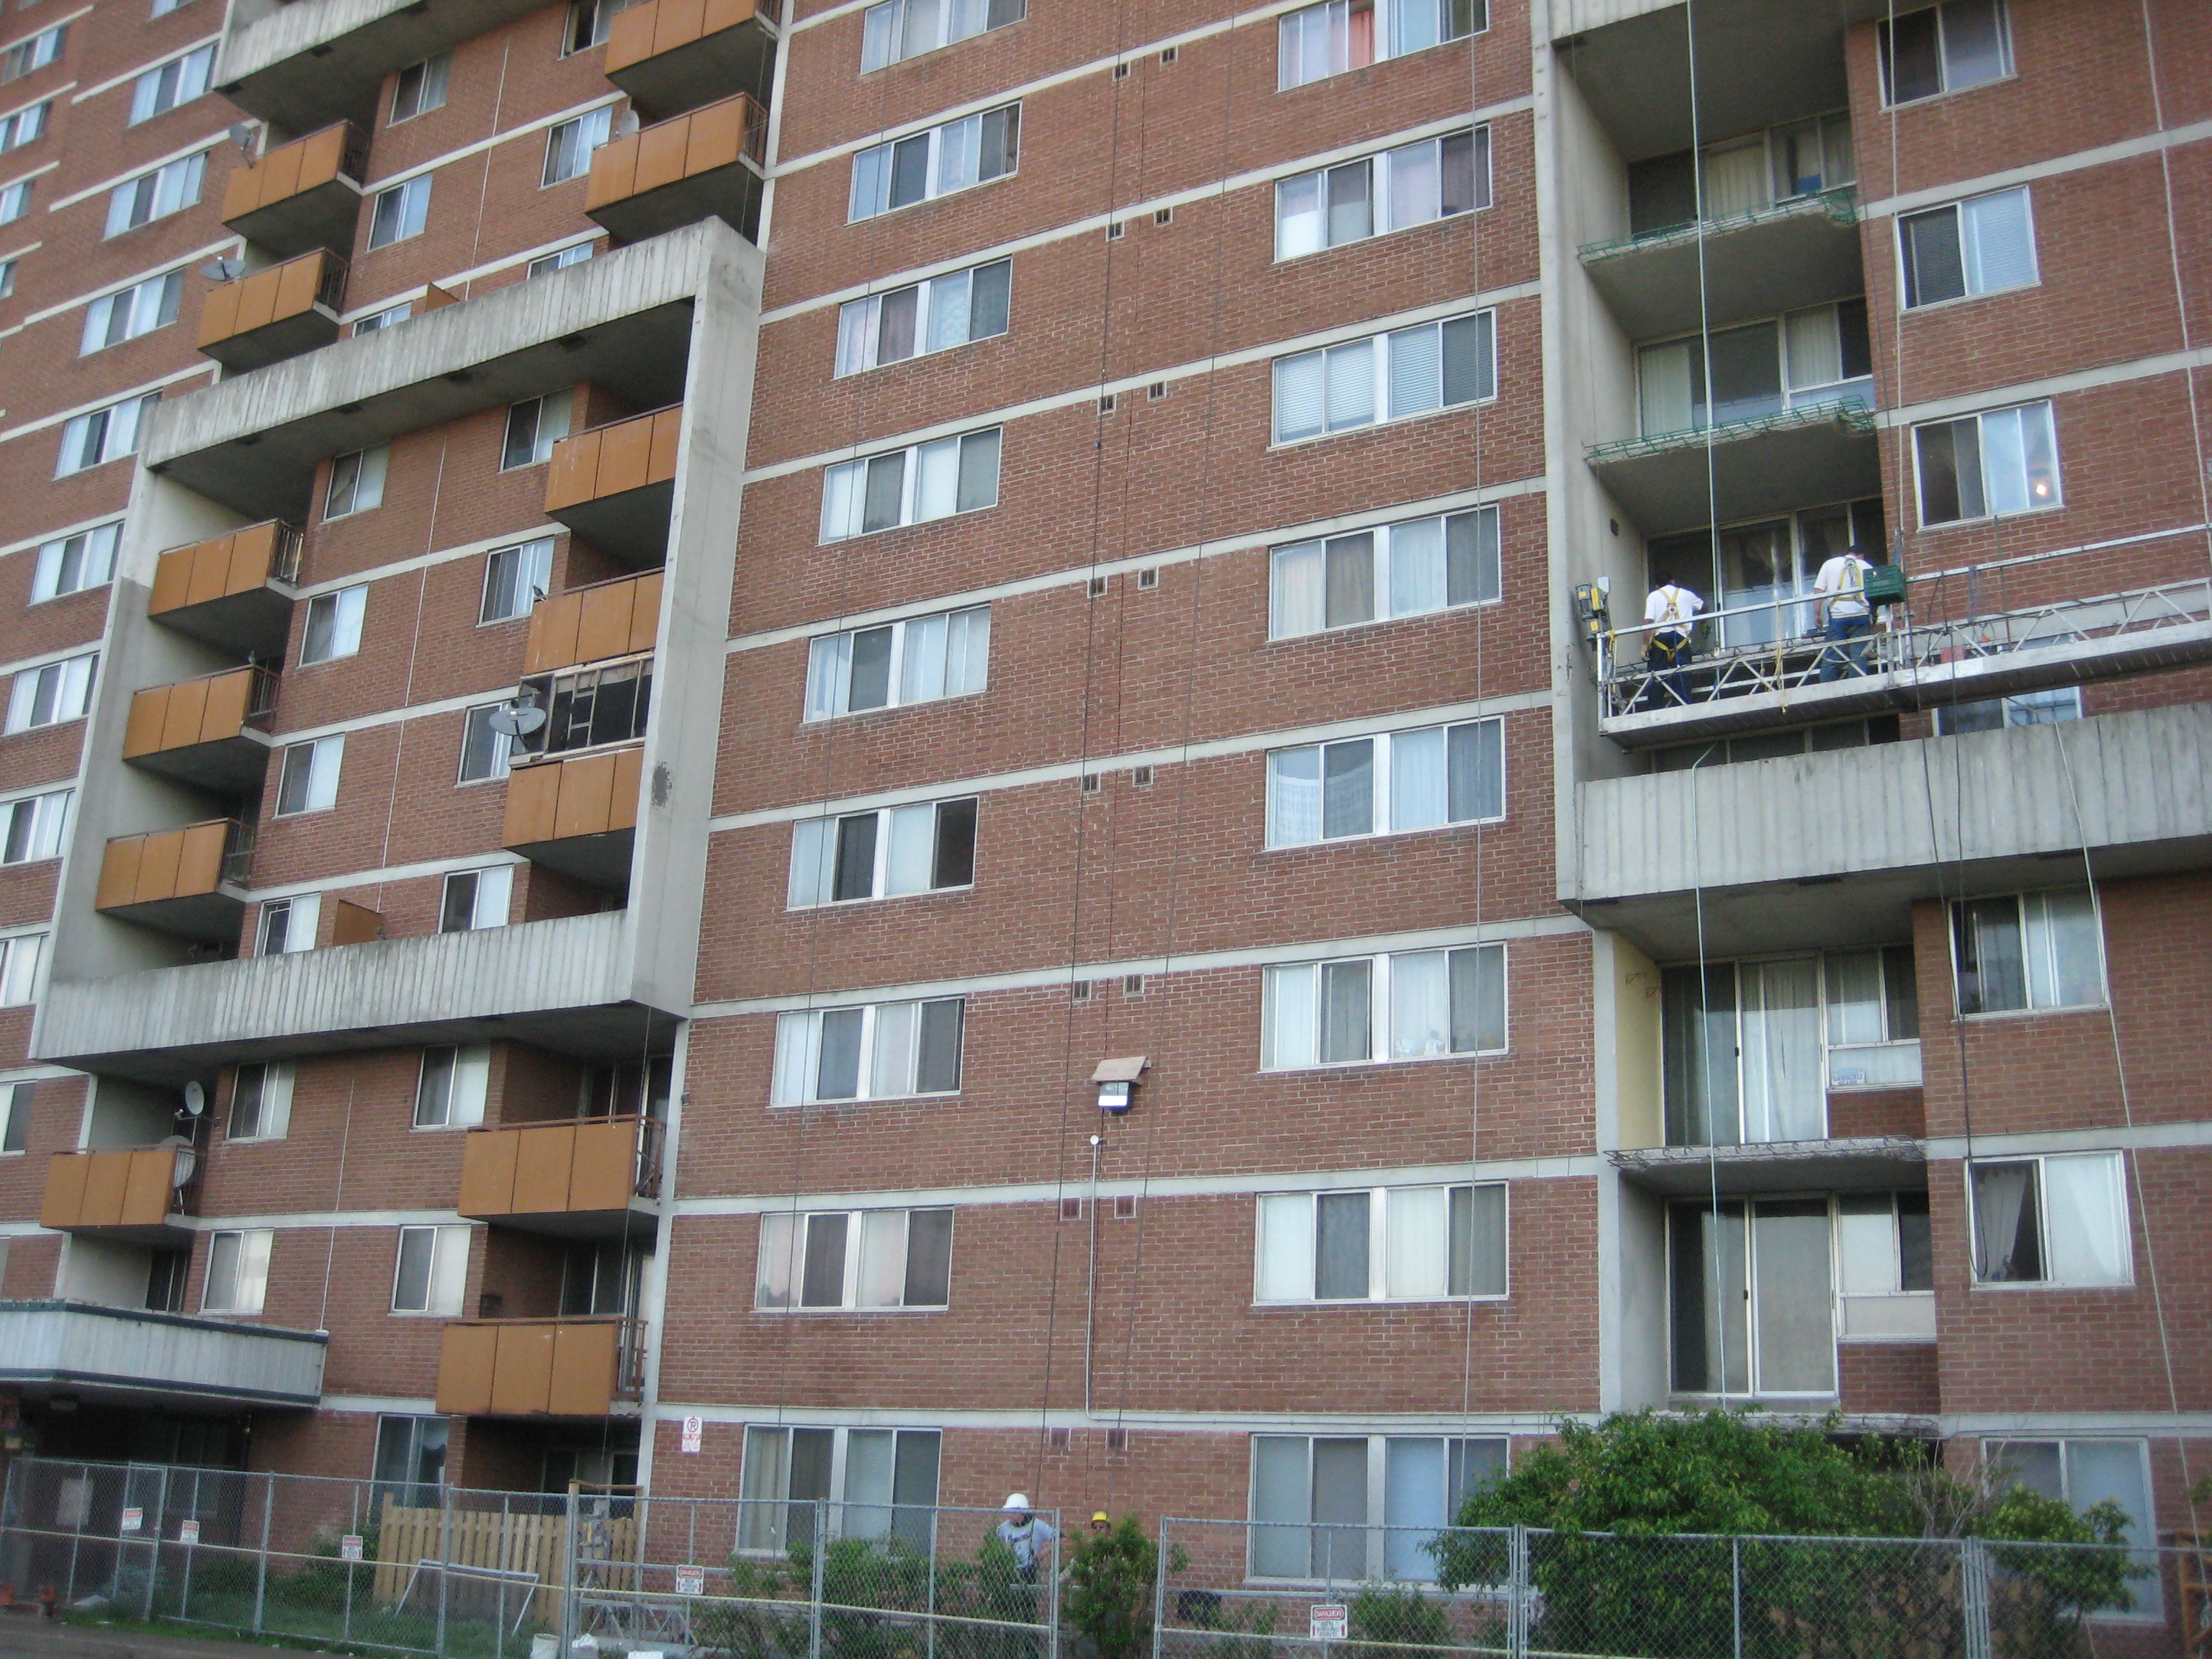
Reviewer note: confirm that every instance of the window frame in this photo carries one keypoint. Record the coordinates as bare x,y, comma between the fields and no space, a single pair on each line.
540,449
47,837
565,143
869,308
301,915
1884,56
1380,1203
2147,1602
1382,781
791,1052
26,124
112,447
869,64
533,559
823,662
2123,1220
433,80
411,198
100,542
1485,177
1380,352
490,893
502,763
22,958
467,1087
340,613
146,87
2030,1008
445,1290
1989,514
850,478
190,170
272,1103
1907,274
33,52
1490,544
320,786
765,1527
933,155
248,1270
1379,1011
829,828
18,1099
1373,1568
794,1248
373,465
70,699
1382,10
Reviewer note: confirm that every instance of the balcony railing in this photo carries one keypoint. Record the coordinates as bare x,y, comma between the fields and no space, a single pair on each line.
205,732
616,618
705,164
1965,660
303,195
123,1191
1840,204
575,1177
274,313
578,816
613,485
576,1367
1853,411
231,591
670,55
179,881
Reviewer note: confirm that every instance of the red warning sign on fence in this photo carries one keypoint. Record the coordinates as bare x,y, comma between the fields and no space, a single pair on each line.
690,1580
188,1531
133,1520
349,1547
1329,1621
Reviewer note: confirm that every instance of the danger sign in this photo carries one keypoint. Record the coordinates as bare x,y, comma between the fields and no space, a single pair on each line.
133,1520
690,1580
349,1547
188,1531
1329,1621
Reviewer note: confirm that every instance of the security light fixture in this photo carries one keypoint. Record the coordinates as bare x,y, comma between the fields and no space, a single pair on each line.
1117,1082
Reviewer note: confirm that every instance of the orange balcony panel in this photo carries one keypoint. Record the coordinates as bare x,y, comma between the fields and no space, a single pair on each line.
301,196
125,1192
573,1178
274,313
467,1356
178,881
205,731
578,816
522,1371
234,590
617,618
672,55
585,1357
581,1367
705,164
615,484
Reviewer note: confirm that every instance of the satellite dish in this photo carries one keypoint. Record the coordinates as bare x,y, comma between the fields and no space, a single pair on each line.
516,719
223,269
195,1099
626,124
241,134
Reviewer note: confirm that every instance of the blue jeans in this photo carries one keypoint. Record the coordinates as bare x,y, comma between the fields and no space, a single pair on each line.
1847,644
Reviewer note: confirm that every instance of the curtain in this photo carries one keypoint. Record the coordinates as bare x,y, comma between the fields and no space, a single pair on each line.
1478,771
773,1280
1420,1006
1351,203
1347,992
1478,999
922,671
1351,579
2005,1244
1298,597
1471,574
1667,377
1417,566
948,311
1300,397
1286,1247
1416,185
1415,1504
1416,371
1299,226
1347,788
2065,964
1418,773
1282,1477
1816,350
1293,797
1339,1496
1478,1241
810,864
967,651
1784,1091
1292,1016
1351,384
1735,178
2086,1209
883,1266
913,857
1341,1235
1416,1232
1999,241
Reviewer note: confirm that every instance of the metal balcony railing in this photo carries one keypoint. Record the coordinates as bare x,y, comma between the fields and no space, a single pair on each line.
1841,205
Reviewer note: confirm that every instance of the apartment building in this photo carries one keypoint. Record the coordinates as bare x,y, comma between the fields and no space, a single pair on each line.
896,750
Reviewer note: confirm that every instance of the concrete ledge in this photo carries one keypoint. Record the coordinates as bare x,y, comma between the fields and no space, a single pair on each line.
314,62
132,1356
622,320
566,984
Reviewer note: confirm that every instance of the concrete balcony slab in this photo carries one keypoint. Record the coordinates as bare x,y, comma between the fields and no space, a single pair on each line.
132,1357
305,65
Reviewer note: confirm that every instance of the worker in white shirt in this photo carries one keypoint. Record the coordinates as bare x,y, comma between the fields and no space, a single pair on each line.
1670,610
1840,593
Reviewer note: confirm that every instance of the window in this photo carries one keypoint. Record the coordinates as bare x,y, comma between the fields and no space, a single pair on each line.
334,624
910,486
19,127
550,263
1818,355
570,145
71,564
421,88
590,20
883,854
933,316
1412,184
1405,569
1387,1244
1321,1505
2029,708
1762,574
49,695
1988,465
486,752
955,156
390,317
1946,48
237,1272
879,1482
2028,950
35,53
261,1102
155,194
515,579
357,482
289,924
7,268
1752,1297
1885,1267
411,1460
587,708
918,660
1386,377
309,782
432,1270
15,203
167,1274
2085,1473
15,1100
163,8
1417,1005
605,1278
899,29
19,968
399,212
475,898
533,427
32,829
450,1093
1749,1058
177,82
2061,1220
1387,785
103,435
855,1259
1983,245
1338,35
880,1051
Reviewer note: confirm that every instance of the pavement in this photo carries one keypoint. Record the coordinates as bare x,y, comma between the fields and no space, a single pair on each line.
32,1637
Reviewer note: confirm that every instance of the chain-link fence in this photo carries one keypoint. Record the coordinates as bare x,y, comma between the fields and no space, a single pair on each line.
1263,1591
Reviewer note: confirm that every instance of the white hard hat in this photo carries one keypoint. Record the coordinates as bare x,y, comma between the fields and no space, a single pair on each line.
1017,1500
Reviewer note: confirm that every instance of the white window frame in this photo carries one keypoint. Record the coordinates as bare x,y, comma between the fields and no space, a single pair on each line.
872,166
845,484
288,925
1380,164
763,1515
408,216
1489,560
15,203
530,563
829,662
445,1276
2024,900
490,899
338,613
1274,1210
33,53
64,687
799,1052
323,761
26,124
546,265
1378,1531
1960,230
247,1269
503,748
814,854
1279,1002
161,191
1882,55
115,428
433,75
860,322
1989,513
2123,1238
46,817
780,1274
570,145
21,956
467,1084
171,85
17,1101
1384,28
882,32
272,1115
94,551
1381,347
548,410
2147,1594
1381,798
359,488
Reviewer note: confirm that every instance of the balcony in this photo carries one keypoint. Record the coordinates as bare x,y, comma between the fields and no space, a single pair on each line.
131,1357
614,485
1774,680
574,985
274,313
579,817
137,1194
582,1367
234,590
301,196
586,1178
704,165
616,618
303,65
184,882
674,55
209,732
1760,262
1832,848
1821,451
